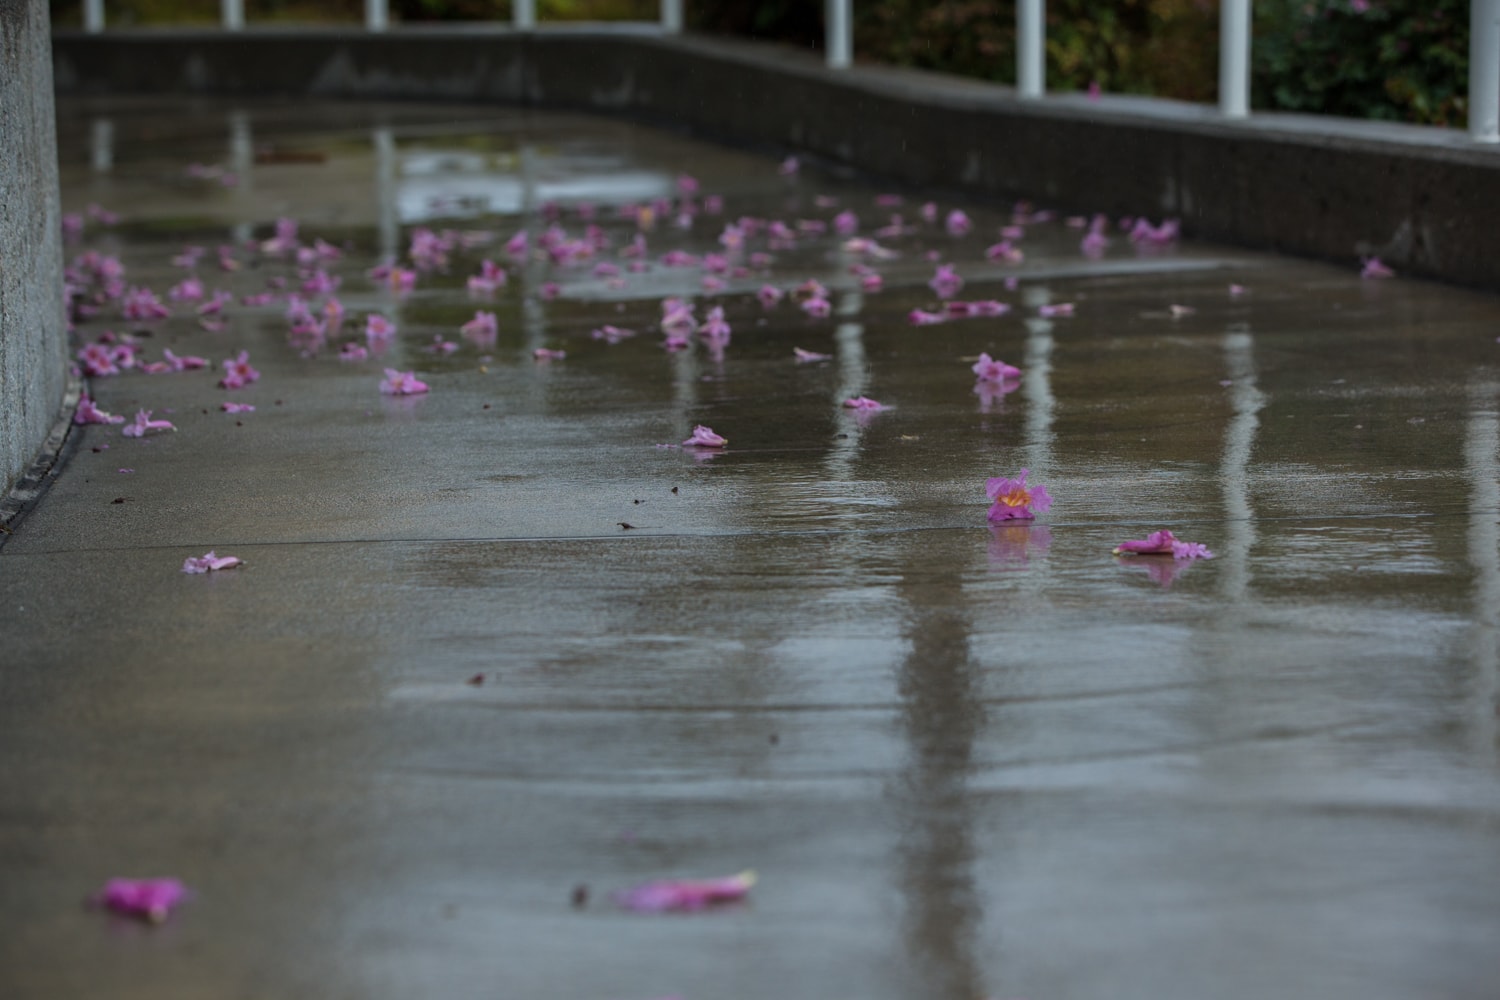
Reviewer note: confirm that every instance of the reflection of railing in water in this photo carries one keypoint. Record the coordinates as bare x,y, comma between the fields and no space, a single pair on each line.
1234,47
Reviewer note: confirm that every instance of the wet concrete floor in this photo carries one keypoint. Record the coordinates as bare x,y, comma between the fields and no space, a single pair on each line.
966,761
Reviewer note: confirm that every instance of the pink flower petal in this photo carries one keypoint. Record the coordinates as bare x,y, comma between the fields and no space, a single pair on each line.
210,562
1163,543
399,383
151,899
686,896
704,437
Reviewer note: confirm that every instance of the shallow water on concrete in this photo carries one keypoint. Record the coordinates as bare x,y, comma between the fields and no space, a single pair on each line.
966,760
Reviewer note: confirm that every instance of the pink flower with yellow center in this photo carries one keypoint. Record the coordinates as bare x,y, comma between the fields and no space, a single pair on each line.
1013,500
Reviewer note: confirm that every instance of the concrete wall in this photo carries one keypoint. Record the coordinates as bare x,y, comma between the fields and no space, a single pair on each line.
33,342
1426,199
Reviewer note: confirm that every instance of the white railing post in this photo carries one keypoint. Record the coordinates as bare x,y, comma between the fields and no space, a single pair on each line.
839,43
1234,58
1484,70
1031,48
232,14
671,16
93,16
523,14
377,15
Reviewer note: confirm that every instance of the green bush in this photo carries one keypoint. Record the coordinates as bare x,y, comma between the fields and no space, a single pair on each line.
1399,60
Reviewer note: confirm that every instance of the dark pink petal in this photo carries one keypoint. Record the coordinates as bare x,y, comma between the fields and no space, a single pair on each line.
686,896
151,899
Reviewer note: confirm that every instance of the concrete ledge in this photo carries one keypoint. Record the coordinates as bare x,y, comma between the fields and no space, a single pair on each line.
1425,199
33,332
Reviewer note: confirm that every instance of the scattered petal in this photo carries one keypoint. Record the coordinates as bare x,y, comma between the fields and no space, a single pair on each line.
1163,543
209,562
686,896
143,423
89,413
989,369
399,383
864,403
151,899
802,355
704,437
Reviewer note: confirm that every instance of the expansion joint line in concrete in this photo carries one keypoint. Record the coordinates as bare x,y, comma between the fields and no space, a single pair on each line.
46,467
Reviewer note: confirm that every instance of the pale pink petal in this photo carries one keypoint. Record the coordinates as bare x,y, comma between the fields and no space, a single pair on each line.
704,437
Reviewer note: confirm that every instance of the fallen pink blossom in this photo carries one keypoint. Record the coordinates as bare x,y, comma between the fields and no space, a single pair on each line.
789,166
186,290
946,282
1013,500
864,403
920,317
686,896
989,369
352,351
482,330
143,423
238,372
1375,268
1144,234
1164,544
871,282
209,563
1004,251
704,437
1059,309
802,355
379,332
98,360
151,899
958,223
89,413
231,407
547,354
401,383
817,307
716,327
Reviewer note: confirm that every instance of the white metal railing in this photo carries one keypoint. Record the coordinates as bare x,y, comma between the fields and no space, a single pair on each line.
1234,58
1484,70
1031,47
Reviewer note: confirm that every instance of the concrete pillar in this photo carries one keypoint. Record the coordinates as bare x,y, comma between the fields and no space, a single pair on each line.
33,336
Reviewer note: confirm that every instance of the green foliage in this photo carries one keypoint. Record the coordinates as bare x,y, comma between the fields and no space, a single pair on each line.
1404,60
1161,47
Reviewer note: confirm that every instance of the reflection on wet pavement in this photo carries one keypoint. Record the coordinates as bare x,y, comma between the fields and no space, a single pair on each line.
967,760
